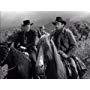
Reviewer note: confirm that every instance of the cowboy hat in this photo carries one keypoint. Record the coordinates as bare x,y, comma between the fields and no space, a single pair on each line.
27,22
59,19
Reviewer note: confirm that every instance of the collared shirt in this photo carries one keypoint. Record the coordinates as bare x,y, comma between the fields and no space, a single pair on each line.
64,40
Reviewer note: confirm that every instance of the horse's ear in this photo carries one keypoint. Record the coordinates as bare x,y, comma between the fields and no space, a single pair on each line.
9,44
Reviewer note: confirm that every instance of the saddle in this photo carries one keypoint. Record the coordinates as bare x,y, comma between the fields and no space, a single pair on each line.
81,67
71,70
75,68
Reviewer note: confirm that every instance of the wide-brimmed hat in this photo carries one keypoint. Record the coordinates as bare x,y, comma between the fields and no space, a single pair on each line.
59,19
27,22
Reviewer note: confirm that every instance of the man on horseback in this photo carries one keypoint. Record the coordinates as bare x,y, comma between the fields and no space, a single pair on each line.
64,39
26,40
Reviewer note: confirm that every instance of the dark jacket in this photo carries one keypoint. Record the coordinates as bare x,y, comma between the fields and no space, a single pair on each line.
26,39
64,40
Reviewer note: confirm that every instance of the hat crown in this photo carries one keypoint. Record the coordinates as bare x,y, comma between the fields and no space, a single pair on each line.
26,22
59,19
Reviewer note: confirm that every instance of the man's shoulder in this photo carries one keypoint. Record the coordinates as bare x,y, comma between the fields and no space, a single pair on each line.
67,30
34,32
19,32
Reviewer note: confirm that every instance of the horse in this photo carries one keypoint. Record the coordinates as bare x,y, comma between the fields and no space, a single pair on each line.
49,62
19,65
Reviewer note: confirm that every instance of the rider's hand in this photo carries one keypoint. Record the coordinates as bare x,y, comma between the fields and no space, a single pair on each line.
22,47
63,54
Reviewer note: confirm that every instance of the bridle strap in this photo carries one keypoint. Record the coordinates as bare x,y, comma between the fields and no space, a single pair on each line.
12,68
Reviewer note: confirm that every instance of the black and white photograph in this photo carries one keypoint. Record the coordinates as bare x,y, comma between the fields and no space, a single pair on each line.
44,45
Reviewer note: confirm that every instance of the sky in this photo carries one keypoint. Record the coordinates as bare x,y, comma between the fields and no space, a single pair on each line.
10,18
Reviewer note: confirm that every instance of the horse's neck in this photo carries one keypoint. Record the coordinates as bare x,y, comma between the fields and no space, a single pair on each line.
51,65
60,67
13,53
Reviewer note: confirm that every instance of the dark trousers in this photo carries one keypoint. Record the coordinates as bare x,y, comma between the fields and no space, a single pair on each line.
32,56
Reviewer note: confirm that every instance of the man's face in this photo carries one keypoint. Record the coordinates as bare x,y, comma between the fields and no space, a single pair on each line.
59,25
27,28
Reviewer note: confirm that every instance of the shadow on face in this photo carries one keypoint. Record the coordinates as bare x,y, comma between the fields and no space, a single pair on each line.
59,26
26,28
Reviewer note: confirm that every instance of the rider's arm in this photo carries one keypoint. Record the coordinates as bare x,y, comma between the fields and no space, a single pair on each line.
62,53
72,43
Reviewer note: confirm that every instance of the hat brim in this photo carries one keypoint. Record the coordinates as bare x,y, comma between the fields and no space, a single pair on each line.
27,24
54,23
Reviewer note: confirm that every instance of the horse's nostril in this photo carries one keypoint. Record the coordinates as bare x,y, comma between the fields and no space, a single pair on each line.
42,66
40,69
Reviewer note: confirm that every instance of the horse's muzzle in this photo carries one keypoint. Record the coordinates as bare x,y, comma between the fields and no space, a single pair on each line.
40,69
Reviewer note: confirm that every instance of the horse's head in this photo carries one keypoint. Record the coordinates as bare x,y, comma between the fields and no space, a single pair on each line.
44,53
48,60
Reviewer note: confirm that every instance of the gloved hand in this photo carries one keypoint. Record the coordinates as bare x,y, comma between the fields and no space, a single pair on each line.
63,54
22,48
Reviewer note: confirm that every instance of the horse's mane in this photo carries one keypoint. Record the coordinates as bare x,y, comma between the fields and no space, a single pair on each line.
45,43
